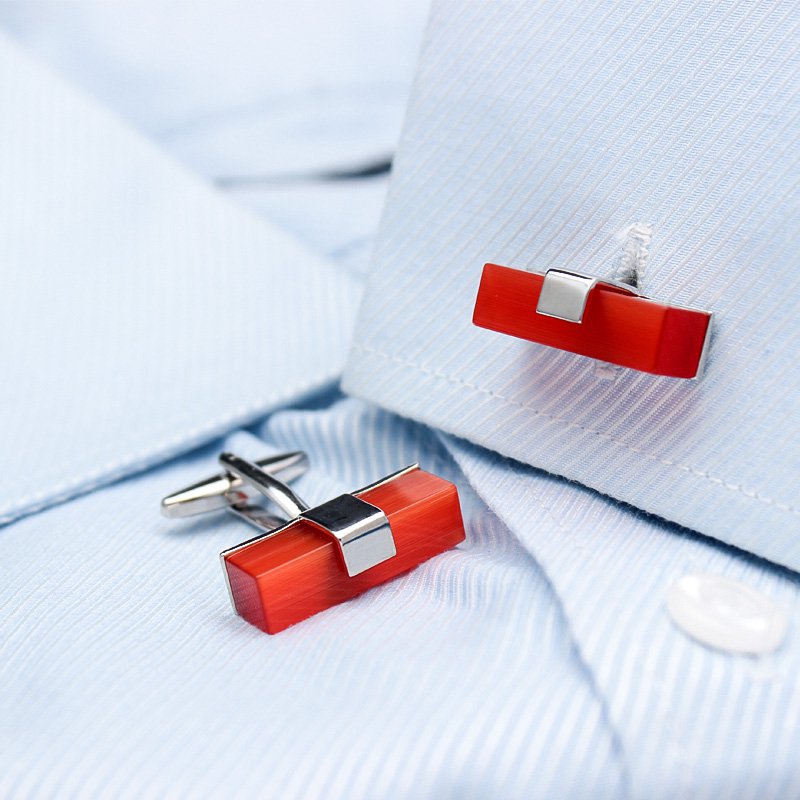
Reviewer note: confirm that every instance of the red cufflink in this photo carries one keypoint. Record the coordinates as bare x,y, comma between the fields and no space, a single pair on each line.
324,555
601,319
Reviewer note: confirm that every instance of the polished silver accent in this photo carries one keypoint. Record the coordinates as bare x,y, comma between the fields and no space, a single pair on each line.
251,515
257,516
701,366
220,491
263,482
360,528
564,294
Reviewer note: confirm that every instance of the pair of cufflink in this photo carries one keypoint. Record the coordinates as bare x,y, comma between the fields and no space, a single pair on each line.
312,558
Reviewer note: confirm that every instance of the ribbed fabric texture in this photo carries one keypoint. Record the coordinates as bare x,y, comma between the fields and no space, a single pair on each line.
534,661
268,100
686,721
550,135
139,308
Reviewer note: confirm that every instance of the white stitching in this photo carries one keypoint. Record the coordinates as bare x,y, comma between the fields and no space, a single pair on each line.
554,418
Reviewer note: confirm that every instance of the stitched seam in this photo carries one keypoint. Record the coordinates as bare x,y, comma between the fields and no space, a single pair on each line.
749,493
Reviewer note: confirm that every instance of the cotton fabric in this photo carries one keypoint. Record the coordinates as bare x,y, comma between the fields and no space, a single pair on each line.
534,660
590,137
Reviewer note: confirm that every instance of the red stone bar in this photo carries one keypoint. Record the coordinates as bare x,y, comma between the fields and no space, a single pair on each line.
618,328
283,579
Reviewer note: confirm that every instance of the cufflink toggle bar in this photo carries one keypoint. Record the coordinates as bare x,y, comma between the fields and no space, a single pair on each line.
323,555
593,317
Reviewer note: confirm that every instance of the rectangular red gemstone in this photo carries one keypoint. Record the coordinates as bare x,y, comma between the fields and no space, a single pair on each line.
282,579
618,328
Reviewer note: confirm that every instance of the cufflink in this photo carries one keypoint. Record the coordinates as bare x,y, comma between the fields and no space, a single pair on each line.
602,319
327,554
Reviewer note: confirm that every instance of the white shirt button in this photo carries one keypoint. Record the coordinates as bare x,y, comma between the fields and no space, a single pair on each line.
726,614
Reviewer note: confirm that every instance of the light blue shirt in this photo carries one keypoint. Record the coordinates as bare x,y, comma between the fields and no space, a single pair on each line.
155,322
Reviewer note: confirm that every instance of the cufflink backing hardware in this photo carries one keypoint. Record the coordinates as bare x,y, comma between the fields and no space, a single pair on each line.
324,555
594,317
